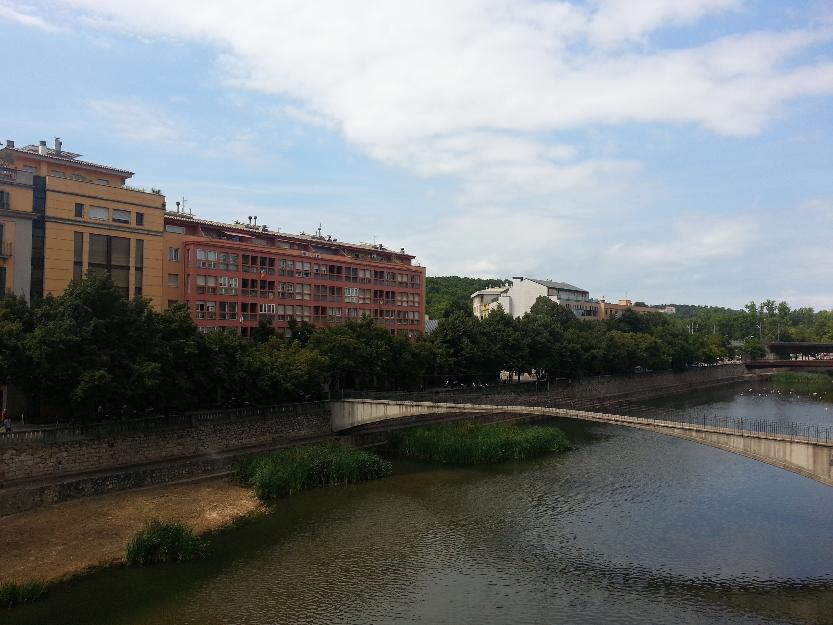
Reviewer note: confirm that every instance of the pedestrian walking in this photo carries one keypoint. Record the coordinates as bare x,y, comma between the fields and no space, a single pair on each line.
7,421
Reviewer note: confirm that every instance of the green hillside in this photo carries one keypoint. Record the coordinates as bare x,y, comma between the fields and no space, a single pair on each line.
442,292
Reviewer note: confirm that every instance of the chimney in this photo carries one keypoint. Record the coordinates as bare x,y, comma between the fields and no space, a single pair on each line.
9,143
42,148
58,146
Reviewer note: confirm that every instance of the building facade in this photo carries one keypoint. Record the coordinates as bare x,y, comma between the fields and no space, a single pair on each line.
62,218
609,310
234,275
517,299
482,301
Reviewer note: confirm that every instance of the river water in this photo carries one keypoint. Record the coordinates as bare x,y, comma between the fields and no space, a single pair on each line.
628,527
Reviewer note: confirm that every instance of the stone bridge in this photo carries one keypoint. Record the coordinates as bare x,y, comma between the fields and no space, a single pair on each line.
806,450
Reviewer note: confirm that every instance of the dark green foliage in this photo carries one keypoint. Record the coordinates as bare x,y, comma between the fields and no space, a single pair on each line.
445,295
165,542
820,383
287,472
12,593
475,443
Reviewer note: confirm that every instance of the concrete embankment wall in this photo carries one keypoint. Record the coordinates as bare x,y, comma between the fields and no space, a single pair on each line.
49,466
48,453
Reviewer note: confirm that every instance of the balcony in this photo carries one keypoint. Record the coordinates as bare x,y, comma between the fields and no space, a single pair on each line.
6,249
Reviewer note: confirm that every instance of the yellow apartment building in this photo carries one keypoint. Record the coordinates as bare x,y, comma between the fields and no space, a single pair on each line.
62,218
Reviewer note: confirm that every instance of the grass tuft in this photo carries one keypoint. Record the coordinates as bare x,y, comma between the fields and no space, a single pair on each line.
13,593
477,443
804,379
165,542
289,471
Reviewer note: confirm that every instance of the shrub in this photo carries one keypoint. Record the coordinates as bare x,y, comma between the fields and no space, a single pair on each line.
475,443
165,542
289,471
12,593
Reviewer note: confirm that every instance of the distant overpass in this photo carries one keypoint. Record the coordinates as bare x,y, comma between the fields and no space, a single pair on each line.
795,355
821,363
788,350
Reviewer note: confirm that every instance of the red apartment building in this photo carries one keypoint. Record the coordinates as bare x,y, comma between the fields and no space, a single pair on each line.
233,275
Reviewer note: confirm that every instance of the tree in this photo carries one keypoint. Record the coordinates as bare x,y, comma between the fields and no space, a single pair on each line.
509,350
264,331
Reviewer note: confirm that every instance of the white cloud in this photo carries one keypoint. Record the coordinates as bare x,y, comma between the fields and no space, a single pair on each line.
399,78
135,120
619,21
690,242
488,94
19,16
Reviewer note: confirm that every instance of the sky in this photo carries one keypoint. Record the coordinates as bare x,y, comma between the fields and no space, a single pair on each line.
668,151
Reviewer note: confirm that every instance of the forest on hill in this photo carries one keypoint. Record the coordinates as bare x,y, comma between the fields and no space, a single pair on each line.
444,294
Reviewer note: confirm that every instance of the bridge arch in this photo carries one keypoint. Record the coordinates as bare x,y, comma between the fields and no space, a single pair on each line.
807,452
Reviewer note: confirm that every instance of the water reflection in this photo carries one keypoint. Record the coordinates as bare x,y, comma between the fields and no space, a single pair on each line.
629,527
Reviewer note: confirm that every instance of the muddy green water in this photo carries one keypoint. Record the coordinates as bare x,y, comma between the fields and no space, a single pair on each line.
628,527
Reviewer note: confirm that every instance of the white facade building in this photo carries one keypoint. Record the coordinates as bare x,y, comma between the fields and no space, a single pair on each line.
517,299
482,300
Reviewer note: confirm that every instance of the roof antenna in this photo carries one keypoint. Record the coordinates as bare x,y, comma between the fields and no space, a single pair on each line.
319,229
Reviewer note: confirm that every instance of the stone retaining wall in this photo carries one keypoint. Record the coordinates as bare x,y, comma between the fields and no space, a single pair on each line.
54,453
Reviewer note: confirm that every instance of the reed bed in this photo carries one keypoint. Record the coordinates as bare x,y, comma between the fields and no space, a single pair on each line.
289,471
14,593
476,443
803,379
165,542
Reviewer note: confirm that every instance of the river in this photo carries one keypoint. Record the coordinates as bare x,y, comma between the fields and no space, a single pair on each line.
628,527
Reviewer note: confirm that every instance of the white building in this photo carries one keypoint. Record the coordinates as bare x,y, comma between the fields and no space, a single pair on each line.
482,300
517,299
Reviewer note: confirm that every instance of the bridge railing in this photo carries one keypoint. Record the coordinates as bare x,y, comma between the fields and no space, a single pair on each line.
655,414
693,417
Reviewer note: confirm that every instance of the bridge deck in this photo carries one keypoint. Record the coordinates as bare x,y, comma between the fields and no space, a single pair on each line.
803,449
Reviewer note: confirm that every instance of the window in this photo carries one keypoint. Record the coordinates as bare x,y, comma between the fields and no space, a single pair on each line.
175,229
4,199
206,258
78,256
173,253
206,284
111,255
29,169
228,310
140,219
79,210
172,303
122,217
55,173
77,177
206,310
99,213
173,280
103,181
139,265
